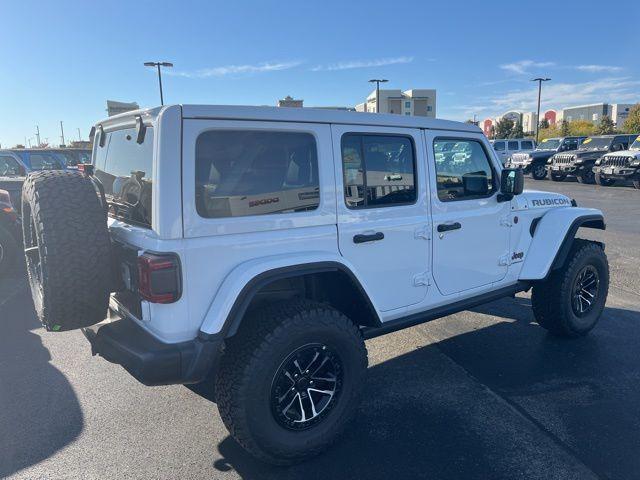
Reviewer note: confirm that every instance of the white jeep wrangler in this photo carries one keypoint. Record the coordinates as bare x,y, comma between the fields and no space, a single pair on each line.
257,248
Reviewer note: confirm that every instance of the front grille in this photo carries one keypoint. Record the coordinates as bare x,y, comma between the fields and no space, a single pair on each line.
615,161
563,159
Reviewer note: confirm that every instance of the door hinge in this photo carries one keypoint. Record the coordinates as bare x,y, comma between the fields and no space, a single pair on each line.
421,280
505,221
504,260
423,233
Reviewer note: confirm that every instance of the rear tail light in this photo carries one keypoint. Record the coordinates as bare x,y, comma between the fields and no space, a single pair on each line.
159,278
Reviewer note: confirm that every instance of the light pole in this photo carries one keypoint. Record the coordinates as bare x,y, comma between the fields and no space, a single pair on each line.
38,134
61,133
539,80
378,81
158,65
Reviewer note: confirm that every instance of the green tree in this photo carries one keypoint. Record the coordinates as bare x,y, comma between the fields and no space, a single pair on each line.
564,128
632,123
504,128
544,123
517,131
581,128
605,127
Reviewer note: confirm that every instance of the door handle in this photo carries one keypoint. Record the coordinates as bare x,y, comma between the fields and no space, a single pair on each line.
362,237
446,227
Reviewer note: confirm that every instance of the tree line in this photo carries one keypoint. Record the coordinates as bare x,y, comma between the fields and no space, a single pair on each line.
506,128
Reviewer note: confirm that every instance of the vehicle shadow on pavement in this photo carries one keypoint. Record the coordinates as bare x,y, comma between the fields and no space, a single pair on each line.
552,409
39,411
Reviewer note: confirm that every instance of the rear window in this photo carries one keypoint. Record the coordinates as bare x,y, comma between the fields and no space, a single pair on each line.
498,146
45,161
527,145
125,169
513,145
245,172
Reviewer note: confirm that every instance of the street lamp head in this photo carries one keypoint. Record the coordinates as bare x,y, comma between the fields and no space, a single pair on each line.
380,80
540,79
149,64
166,64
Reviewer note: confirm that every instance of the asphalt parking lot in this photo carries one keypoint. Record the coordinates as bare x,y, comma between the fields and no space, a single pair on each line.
481,394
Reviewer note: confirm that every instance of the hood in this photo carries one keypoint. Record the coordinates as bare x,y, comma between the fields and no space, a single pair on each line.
542,154
536,199
591,153
625,153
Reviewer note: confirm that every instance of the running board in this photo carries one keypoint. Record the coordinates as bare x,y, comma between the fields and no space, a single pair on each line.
443,311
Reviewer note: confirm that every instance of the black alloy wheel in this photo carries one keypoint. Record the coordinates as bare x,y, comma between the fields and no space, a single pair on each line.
306,386
585,290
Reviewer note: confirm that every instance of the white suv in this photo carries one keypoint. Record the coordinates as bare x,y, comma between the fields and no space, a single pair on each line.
257,248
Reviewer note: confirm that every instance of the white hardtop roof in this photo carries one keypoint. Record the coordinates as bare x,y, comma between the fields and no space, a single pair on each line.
306,115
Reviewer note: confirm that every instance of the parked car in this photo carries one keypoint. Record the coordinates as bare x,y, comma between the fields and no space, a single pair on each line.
72,157
10,225
581,162
535,162
505,148
622,165
34,159
258,247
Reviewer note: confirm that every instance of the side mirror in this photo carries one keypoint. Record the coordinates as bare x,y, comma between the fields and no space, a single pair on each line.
511,183
475,183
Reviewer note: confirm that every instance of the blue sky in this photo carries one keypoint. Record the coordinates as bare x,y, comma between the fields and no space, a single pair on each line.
62,60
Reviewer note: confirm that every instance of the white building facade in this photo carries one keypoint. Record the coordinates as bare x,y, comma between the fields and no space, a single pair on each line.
418,102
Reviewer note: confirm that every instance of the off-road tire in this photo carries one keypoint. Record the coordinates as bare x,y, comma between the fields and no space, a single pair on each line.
558,177
248,367
636,184
551,299
587,177
9,251
604,182
538,171
67,249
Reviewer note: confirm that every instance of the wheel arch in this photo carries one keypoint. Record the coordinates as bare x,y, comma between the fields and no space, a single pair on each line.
552,238
224,319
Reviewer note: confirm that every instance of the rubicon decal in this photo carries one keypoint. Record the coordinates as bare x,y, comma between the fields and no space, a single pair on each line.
549,202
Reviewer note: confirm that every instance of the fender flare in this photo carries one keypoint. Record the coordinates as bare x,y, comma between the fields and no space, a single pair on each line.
560,227
244,297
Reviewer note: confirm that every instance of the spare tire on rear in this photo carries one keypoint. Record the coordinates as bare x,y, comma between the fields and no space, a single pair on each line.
67,249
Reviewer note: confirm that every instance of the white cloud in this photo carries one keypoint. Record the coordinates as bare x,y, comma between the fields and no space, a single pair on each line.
347,65
237,69
555,95
598,68
523,66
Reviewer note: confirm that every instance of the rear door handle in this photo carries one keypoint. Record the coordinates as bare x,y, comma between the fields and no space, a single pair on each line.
372,237
447,227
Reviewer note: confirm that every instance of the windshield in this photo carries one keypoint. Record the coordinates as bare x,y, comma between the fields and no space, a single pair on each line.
125,169
549,144
595,143
635,145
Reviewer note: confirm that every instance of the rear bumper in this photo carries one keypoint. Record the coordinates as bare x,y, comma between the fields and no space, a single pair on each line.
151,361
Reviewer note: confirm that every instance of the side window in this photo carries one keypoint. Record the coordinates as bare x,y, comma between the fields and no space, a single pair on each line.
513,145
498,146
463,171
526,145
245,172
8,166
379,170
